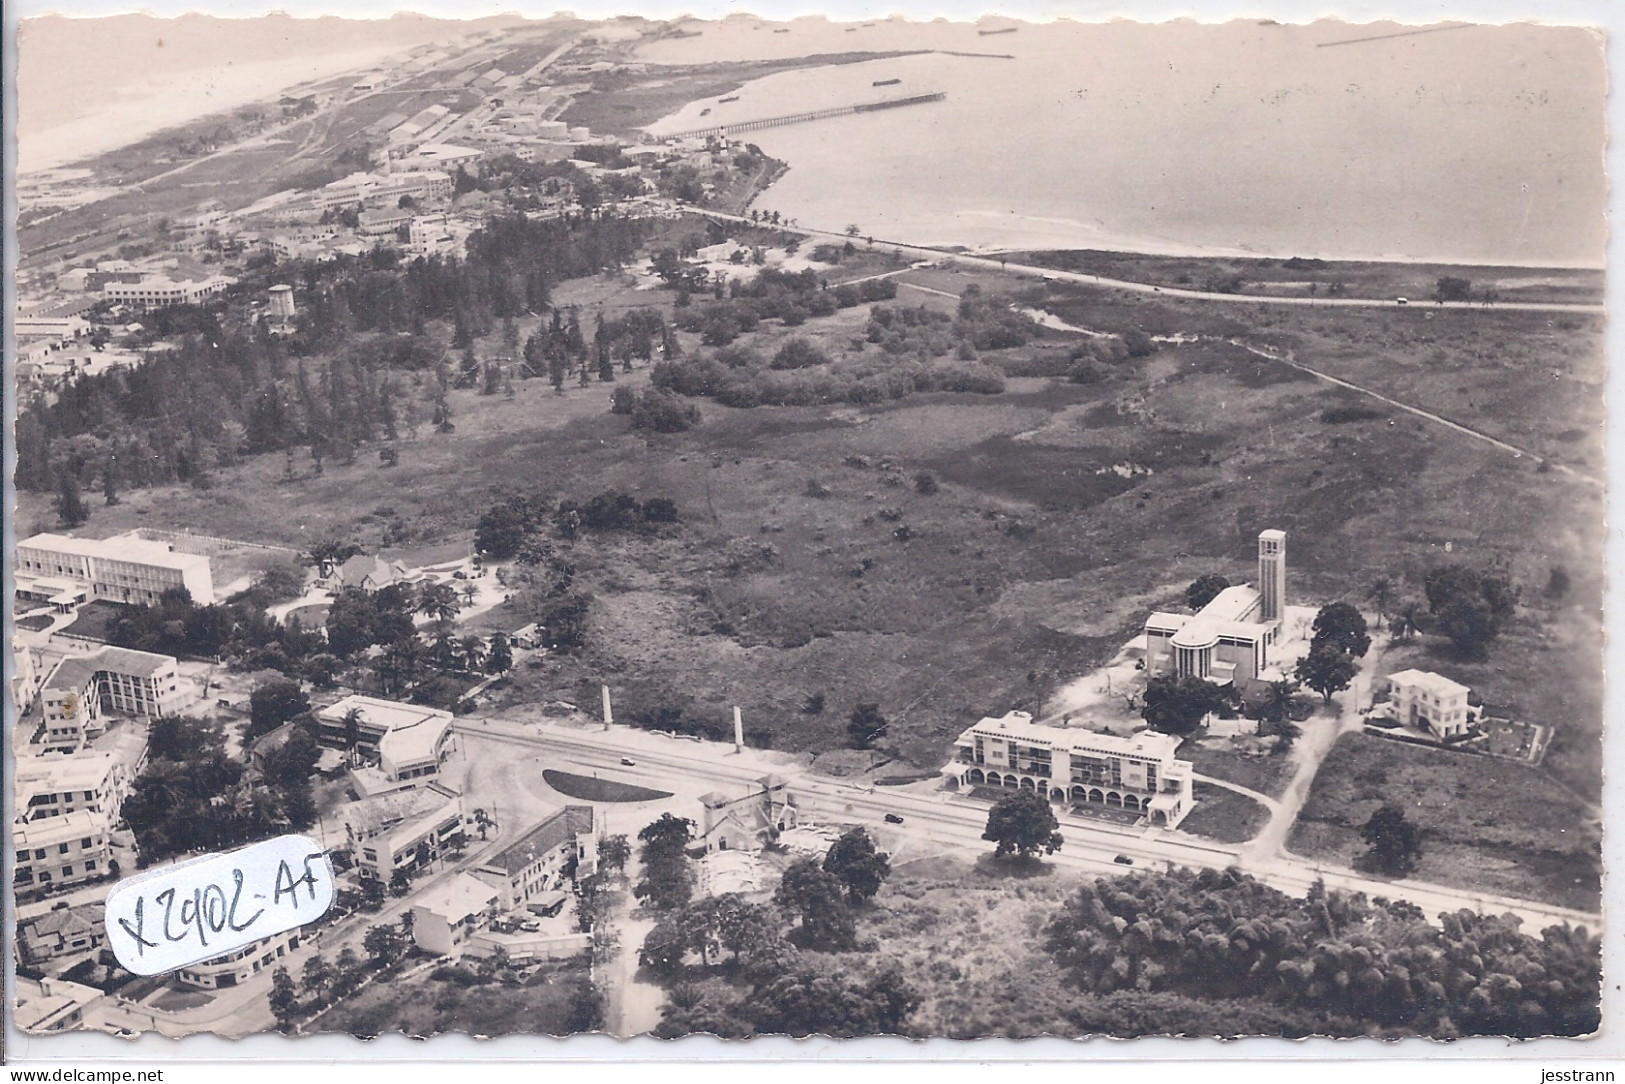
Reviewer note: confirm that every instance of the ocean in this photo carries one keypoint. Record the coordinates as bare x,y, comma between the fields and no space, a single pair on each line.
1473,144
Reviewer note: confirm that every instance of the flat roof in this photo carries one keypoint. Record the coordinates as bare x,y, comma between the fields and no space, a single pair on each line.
49,830
1020,725
76,771
118,548
1437,684
458,897
384,715
418,740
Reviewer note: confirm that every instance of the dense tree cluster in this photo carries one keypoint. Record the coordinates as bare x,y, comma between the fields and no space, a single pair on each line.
1177,703
1469,607
668,875
1344,964
1023,826
192,797
741,379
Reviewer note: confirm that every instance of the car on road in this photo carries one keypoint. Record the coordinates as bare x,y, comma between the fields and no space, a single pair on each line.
1123,860
894,818
1402,301
628,761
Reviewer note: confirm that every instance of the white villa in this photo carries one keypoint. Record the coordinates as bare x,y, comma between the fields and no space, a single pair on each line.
1070,765
1424,699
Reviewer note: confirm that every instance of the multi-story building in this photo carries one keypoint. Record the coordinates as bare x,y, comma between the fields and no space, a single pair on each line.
1138,774
83,688
448,914
63,850
409,740
238,967
545,858
158,291
124,568
747,821
388,188
404,830
1421,698
1228,641
55,785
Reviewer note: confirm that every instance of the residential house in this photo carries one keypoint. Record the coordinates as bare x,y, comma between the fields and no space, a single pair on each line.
62,933
1424,699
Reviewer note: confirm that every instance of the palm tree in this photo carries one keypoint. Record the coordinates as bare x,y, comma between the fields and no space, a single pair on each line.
352,732
473,651
439,601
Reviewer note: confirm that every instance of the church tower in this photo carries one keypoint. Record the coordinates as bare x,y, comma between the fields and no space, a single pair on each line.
1272,575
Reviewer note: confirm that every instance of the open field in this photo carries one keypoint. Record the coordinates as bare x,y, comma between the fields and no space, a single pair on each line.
1247,762
1224,816
1312,277
1064,512
1486,823
541,1004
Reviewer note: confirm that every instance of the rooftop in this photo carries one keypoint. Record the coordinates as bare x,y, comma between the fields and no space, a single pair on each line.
457,898
562,826
383,715
387,810
1427,680
122,547
84,770
66,921
418,740
75,670
1019,724
49,830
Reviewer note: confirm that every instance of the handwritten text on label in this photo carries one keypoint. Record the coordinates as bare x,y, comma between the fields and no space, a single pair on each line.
206,907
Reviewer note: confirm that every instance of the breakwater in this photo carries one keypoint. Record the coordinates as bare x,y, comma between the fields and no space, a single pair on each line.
801,118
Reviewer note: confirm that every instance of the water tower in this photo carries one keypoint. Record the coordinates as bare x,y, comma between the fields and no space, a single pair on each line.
282,303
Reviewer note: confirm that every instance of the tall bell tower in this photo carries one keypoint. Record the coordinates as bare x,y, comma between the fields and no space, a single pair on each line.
1272,575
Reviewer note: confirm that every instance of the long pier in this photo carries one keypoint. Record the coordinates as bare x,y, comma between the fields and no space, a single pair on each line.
802,118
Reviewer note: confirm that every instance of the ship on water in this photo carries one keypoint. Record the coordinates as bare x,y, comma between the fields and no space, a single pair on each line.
725,101
1001,30
886,82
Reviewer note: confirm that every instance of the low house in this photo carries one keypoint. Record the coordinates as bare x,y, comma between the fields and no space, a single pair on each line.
48,1005
1424,699
62,933
747,821
370,573
528,637
544,859
446,915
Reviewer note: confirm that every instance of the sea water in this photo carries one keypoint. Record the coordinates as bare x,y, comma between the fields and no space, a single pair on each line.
1473,144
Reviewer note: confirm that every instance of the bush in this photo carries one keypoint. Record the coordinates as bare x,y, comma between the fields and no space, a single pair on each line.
799,354
664,413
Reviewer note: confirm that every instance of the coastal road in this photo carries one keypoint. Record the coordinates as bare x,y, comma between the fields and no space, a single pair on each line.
1092,846
1082,279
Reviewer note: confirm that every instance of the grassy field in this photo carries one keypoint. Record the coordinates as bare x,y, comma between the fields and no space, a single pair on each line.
1246,762
424,1006
1224,816
1487,824
1294,278
1036,558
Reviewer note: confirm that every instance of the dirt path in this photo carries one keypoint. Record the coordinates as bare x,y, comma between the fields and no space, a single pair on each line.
1262,799
632,1006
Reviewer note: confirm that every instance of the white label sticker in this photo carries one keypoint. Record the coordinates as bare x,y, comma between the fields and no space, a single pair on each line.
206,907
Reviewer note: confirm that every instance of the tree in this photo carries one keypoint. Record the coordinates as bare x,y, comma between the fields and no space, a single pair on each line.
819,898
499,659
274,703
866,725
812,1003
1327,671
438,601
1023,824
372,893
613,852
1396,843
383,943
1469,607
400,882
854,859
283,996
1340,627
70,505
1177,703
316,978
1204,589
1451,288
109,483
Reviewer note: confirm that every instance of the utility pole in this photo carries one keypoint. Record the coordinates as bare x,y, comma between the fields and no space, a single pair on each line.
739,731
609,716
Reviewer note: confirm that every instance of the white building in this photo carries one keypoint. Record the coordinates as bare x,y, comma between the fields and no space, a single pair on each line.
409,740
1138,774
158,291
404,830
446,915
747,821
544,859
1421,698
47,1005
61,850
124,568
54,785
1228,642
236,968
83,688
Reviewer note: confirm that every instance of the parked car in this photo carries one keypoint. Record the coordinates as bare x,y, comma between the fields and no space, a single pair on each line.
894,818
628,761
1123,860
531,926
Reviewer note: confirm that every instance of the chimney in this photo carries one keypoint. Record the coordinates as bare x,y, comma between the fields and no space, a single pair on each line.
609,716
739,731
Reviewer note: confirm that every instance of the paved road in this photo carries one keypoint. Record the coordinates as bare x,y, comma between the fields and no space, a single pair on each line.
1168,291
1092,846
